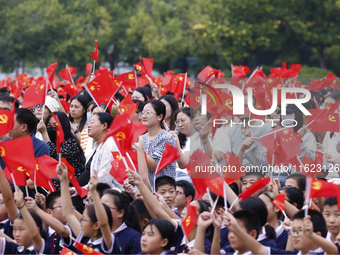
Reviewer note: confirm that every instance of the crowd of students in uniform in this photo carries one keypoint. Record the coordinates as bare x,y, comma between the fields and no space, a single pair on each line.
144,215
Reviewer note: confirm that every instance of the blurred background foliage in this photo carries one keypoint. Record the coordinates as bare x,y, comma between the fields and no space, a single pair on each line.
181,35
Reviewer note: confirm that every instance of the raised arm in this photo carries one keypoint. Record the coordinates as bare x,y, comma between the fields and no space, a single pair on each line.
205,219
31,227
103,220
142,164
66,201
47,218
7,196
149,198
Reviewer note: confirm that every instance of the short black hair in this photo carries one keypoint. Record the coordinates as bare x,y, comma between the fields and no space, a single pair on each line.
294,195
188,189
51,198
300,179
141,209
25,116
166,229
101,187
163,180
9,99
330,201
319,223
249,220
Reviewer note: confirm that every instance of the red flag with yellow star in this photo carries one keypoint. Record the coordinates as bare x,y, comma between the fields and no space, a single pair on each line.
239,71
35,95
175,83
6,121
68,73
118,167
321,188
39,175
128,107
60,133
85,249
190,220
102,88
128,80
66,251
9,151
70,169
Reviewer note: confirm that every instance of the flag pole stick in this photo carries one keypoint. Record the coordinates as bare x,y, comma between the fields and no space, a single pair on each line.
185,83
35,180
232,205
136,82
70,75
59,157
133,165
215,203
307,194
15,185
225,196
210,198
26,189
46,189
94,66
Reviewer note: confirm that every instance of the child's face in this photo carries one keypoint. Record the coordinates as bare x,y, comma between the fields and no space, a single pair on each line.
332,218
109,201
3,210
272,210
247,181
180,200
236,243
169,194
57,211
151,241
86,224
300,241
20,234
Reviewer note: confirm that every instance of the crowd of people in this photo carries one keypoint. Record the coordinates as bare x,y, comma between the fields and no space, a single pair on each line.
148,213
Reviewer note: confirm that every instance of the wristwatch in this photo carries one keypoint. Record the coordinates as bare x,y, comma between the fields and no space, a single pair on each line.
76,131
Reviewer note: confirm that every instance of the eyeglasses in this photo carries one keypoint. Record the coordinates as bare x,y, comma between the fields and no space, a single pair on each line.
1,202
146,113
180,193
88,200
53,125
298,232
39,106
177,122
113,208
60,207
82,219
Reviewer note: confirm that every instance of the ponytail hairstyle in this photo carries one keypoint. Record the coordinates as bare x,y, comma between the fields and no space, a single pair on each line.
92,215
37,221
122,202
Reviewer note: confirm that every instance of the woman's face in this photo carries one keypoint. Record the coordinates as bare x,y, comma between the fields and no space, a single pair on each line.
117,215
168,112
328,101
149,116
152,241
137,96
95,127
20,233
76,109
183,123
200,121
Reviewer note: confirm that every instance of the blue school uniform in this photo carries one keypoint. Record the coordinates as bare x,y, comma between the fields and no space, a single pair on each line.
12,248
224,241
270,250
128,239
99,244
6,227
55,241
281,236
263,239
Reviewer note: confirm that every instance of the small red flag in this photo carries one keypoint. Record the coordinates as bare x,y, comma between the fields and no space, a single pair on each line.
279,201
118,168
60,133
49,165
6,121
148,64
175,83
323,121
169,155
216,185
128,79
85,249
102,88
95,53
190,220
35,95
9,151
88,68
71,89
41,178
240,71
307,162
128,107
51,71
66,251
259,184
68,73
81,191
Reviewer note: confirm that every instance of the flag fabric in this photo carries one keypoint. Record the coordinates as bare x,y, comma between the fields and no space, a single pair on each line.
216,185
68,73
148,64
48,164
308,163
128,80
71,89
40,177
208,72
60,133
234,163
325,122
190,220
175,83
85,249
35,95
50,72
81,191
128,107
259,184
102,88
279,201
169,155
66,251
95,53
239,71
118,168
6,120
321,188
9,151
88,68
